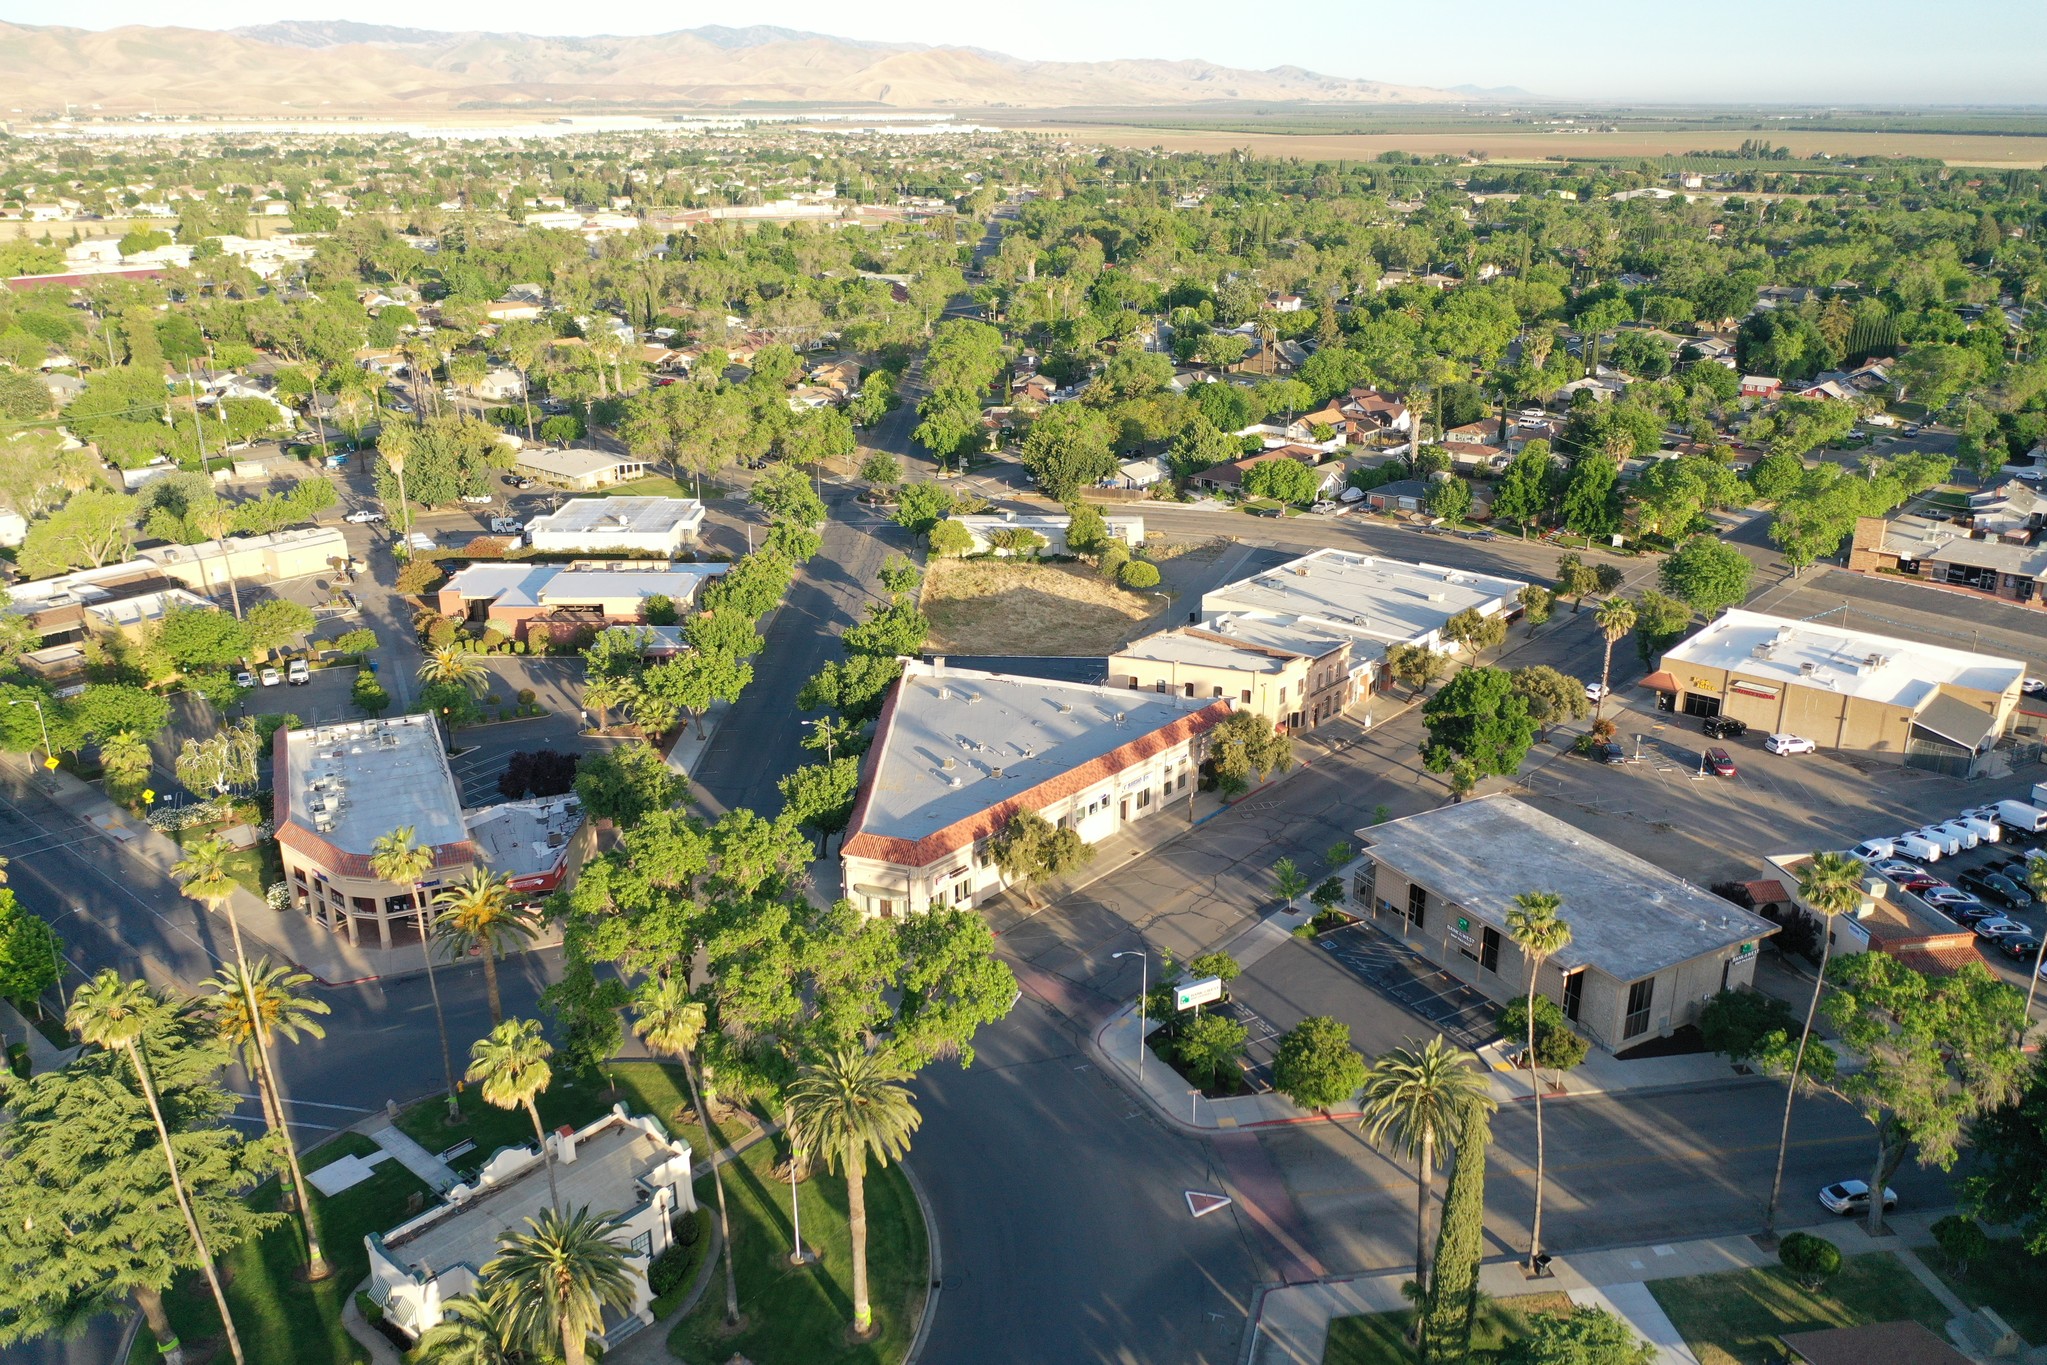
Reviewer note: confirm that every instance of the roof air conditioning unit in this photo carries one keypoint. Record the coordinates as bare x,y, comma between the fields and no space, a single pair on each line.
995,772
1808,668
945,694
948,763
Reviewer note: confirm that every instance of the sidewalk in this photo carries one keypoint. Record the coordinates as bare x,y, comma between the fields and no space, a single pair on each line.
688,750
439,1176
43,1055
1290,1323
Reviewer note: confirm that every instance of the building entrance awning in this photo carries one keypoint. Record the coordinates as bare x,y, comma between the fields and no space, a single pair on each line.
1954,720
1661,682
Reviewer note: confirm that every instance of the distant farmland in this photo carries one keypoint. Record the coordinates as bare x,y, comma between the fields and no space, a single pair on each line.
1521,143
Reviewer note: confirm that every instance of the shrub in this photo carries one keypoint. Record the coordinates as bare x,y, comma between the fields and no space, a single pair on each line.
492,639
419,576
1112,561
689,1227
1810,1260
1556,1047
527,696
538,638
442,633
665,1272
1961,1239
1138,575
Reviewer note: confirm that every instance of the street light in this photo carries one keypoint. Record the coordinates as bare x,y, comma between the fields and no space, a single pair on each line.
798,1256
1143,989
40,722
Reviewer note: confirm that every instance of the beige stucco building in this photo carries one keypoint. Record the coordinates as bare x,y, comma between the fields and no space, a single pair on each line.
1921,704
1647,948
1296,678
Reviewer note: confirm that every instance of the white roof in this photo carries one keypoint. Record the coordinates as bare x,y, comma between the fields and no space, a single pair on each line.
354,783
1878,668
1366,596
575,462
639,516
538,585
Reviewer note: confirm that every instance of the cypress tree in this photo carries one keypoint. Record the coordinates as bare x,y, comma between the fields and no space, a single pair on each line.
1451,1305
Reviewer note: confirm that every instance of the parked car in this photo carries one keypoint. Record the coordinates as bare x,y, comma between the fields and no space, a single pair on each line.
269,677
298,673
1895,868
1610,753
2019,947
2034,687
367,516
1920,882
1946,896
1720,762
1595,693
244,679
1997,926
1790,744
504,526
1991,887
478,499
1725,727
1481,535
1852,1196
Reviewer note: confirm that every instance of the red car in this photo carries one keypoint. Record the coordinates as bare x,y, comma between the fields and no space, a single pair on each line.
1719,762
1921,882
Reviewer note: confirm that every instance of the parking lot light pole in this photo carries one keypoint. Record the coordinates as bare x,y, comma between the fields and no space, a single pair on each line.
41,723
1143,990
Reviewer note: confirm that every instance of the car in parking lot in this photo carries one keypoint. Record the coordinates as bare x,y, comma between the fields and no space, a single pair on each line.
1595,693
298,673
478,499
2034,687
1894,867
1994,888
1997,926
1724,727
1919,882
1852,1196
269,677
1945,896
1720,762
366,516
2019,947
245,679
1610,752
504,526
1790,744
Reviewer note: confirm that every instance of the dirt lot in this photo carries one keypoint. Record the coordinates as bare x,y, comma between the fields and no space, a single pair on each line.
1533,144
1001,607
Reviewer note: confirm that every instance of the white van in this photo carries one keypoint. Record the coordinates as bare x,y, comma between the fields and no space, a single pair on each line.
1949,842
1986,828
1921,850
1873,850
2019,815
1960,829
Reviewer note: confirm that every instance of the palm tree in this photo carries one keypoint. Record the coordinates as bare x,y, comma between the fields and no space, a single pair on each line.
1541,933
510,1068
399,857
114,1014
475,1329
1418,1098
608,690
203,875
447,664
557,1278
279,1008
1830,884
478,916
670,1022
851,1105
1615,617
397,444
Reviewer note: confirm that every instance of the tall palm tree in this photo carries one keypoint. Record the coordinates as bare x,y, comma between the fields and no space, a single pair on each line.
557,1278
1541,933
114,1014
203,875
446,664
510,1068
670,1022
2036,875
1830,884
1417,1098
845,1108
396,443
475,1329
478,915
1615,617
280,1008
399,857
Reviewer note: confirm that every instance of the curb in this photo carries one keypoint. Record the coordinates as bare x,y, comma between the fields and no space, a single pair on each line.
1113,1067
934,1267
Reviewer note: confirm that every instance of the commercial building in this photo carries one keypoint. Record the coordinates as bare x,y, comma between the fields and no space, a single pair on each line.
623,1165
580,468
987,530
1647,948
1293,676
637,526
340,788
512,597
1925,705
2007,561
1372,601
538,844
1885,919
959,751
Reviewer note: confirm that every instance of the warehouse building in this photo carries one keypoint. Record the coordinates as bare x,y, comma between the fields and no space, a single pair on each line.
636,526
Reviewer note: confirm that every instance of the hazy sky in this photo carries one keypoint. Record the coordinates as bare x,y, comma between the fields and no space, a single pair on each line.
1874,53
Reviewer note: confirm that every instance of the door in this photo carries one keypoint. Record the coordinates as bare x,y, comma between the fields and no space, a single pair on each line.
1123,809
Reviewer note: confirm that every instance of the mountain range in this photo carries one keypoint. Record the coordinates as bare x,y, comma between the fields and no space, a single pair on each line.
315,67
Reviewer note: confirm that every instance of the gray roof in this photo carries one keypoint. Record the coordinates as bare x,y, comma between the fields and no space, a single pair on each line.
2022,560
575,462
1629,918
354,783
533,585
1369,595
640,516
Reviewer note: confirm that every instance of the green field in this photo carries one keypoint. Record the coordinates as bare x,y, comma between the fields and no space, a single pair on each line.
1740,1316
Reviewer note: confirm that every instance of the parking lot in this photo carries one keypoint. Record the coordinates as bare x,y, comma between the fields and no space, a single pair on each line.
1459,1012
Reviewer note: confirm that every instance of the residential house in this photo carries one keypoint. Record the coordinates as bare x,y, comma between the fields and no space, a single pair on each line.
1761,386
1229,476
581,468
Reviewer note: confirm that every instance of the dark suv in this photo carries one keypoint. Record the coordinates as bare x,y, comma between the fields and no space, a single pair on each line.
1992,887
1725,727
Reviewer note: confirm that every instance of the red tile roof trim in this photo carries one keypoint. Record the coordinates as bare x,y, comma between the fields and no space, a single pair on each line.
962,833
335,860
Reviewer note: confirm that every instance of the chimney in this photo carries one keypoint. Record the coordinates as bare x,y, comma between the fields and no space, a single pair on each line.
564,1139
938,665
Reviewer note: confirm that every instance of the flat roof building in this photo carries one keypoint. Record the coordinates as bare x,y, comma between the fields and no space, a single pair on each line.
986,529
1926,705
658,526
340,788
511,597
581,468
622,1165
1294,676
1647,947
538,844
958,751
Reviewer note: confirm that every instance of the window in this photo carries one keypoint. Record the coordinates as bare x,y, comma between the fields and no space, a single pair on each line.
1574,994
1639,997
1489,949
1144,798
1190,689
962,892
1417,905
1160,685
1365,883
643,1245
1246,696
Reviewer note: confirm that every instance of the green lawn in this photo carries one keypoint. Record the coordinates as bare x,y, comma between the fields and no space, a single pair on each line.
1738,1317
279,1317
1381,1338
655,1088
2009,1280
653,486
799,1315
258,868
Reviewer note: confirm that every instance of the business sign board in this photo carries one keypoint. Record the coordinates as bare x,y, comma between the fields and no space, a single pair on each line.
1206,991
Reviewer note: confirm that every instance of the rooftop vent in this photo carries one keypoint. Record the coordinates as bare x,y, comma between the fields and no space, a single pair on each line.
995,772
1065,708
1808,668
1122,716
945,694
1030,751
948,763
1763,651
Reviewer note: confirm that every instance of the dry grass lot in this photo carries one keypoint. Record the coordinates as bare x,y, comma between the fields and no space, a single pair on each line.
991,606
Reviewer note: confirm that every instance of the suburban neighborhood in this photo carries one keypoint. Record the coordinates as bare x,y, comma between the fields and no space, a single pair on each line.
793,739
